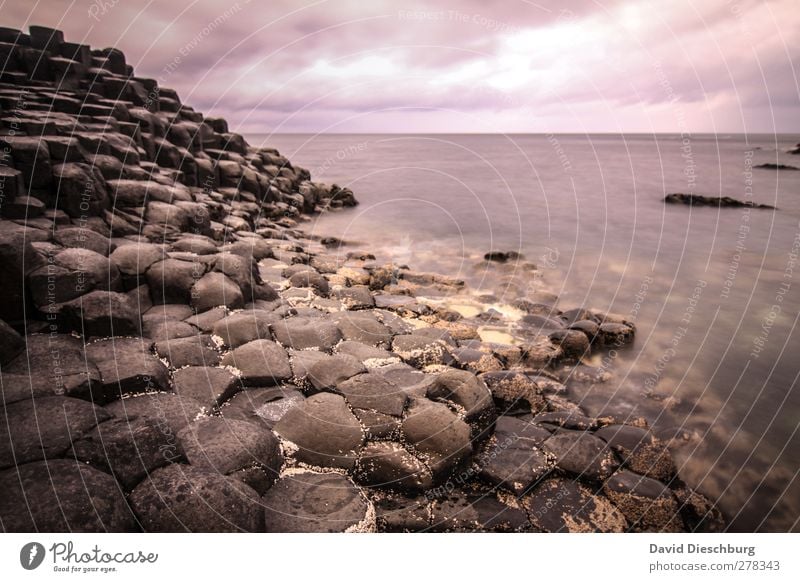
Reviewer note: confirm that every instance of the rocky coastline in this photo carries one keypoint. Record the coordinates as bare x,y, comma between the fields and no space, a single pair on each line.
177,354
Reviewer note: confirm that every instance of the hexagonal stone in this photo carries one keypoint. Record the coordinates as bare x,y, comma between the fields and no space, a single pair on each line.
313,503
562,505
87,500
173,412
226,446
327,373
246,326
582,454
467,391
261,363
207,385
388,464
262,406
324,430
639,450
647,504
514,392
467,513
99,314
44,428
362,327
437,434
303,333
83,238
126,365
197,350
171,280
373,392
215,289
129,449
182,498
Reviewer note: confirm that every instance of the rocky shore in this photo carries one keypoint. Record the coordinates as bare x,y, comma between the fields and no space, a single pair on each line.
177,355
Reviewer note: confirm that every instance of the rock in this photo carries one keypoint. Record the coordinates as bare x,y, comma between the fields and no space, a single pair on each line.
81,190
262,406
438,434
172,412
311,279
261,363
226,446
566,419
514,463
44,428
355,297
11,343
22,208
127,366
573,343
615,334
582,454
133,260
171,280
373,392
60,368
83,238
207,385
215,289
398,514
100,314
776,167
197,350
640,451
88,500
129,449
328,373
17,260
324,430
647,504
501,257
699,514
376,424
420,349
72,273
240,328
370,356
181,498
314,503
467,513
363,327
303,333
700,200
467,391
563,505
162,331
513,392
388,464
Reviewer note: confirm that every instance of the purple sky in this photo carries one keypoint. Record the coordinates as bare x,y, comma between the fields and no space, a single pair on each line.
456,66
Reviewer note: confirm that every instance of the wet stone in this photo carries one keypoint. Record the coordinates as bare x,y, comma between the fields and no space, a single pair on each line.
647,504
582,454
563,505
437,434
514,392
389,464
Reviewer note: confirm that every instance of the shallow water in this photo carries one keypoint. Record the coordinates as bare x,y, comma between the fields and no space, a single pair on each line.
715,293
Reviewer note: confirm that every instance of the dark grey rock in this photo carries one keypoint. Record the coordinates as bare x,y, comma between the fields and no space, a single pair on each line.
128,449
324,430
87,500
182,498
388,464
647,504
44,428
328,373
240,328
207,385
302,333
437,434
582,454
197,350
314,503
127,365
215,289
261,363
563,505
373,392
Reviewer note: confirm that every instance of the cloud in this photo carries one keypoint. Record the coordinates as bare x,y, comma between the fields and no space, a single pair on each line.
415,66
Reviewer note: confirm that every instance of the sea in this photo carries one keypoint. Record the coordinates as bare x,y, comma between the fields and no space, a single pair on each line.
714,292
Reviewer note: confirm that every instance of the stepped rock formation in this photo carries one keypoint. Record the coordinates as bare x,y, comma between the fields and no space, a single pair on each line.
176,355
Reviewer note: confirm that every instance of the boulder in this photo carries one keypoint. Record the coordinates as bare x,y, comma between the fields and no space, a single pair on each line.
388,464
127,366
647,504
195,350
467,391
215,289
171,280
208,385
582,454
373,392
245,326
302,333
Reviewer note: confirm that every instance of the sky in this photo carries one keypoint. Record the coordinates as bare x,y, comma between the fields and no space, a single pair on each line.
466,66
